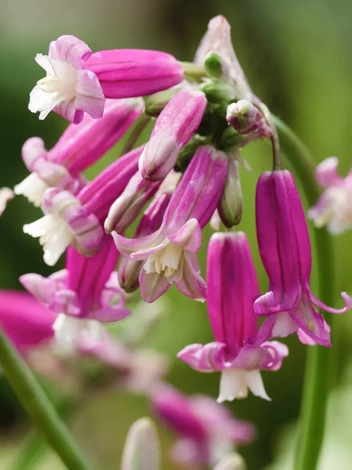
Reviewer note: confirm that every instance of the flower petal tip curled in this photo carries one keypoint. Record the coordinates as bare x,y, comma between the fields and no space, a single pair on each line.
67,88
142,446
6,194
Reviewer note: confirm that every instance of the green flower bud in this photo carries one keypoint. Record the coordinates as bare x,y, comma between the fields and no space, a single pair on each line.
230,205
213,66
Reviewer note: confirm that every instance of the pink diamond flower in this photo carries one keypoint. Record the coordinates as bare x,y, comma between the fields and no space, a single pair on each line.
285,250
206,430
334,208
68,88
170,252
238,351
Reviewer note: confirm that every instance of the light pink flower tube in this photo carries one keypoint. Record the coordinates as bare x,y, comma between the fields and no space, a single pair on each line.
173,129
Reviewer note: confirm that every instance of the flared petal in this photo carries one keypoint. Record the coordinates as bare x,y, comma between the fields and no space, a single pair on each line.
188,237
208,358
191,283
320,304
140,248
152,285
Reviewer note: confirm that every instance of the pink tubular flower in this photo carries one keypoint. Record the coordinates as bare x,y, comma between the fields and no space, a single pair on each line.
207,430
170,252
174,127
218,39
87,290
125,73
334,208
238,352
286,255
79,147
6,194
77,220
68,88
24,320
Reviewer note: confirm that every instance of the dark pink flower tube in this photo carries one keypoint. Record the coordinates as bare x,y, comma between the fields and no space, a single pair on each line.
286,255
125,73
79,147
206,429
173,129
24,320
238,351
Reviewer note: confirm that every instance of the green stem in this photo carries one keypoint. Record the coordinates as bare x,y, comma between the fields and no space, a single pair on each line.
316,382
39,408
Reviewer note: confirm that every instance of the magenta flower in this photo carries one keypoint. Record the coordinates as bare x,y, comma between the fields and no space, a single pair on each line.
6,194
79,147
170,252
286,255
206,429
334,207
84,293
126,73
78,220
173,129
238,351
68,88
24,320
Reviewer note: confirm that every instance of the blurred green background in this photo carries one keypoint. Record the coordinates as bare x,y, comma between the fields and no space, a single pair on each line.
296,55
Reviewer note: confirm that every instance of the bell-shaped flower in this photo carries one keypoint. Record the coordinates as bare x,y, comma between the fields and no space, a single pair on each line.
173,129
85,293
126,73
78,220
218,39
68,88
285,251
207,430
24,320
238,351
6,194
79,147
170,252
334,207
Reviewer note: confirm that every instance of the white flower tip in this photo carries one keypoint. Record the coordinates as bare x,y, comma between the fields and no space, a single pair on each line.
68,330
234,383
6,194
231,462
141,450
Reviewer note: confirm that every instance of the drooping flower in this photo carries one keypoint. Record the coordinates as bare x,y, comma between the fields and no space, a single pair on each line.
173,129
78,220
334,208
285,250
126,73
170,252
238,351
83,294
141,451
206,429
6,194
24,320
79,147
68,88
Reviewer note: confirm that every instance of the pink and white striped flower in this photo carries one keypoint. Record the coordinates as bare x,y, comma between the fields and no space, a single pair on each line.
68,88
170,252
334,208
238,351
79,147
173,129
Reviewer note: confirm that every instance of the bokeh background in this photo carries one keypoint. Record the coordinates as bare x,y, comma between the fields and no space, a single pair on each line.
297,57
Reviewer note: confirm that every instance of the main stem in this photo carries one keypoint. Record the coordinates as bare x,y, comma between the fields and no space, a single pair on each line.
316,382
39,408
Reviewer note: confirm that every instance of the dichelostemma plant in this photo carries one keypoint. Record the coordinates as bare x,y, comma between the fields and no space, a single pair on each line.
188,175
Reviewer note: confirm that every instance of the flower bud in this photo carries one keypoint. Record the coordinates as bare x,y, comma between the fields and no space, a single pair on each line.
141,450
246,118
218,92
230,206
155,103
213,66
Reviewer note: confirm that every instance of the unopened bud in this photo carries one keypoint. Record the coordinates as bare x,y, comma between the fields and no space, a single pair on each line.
230,205
213,66
218,92
141,450
187,152
154,104
245,118
231,462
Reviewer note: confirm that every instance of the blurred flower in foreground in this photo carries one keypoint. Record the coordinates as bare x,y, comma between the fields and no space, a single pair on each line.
206,429
6,194
238,352
24,320
142,447
231,462
334,208
285,250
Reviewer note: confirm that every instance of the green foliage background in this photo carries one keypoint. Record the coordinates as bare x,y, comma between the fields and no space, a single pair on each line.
297,56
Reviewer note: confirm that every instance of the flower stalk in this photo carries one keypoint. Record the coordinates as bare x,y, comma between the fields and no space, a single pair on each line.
39,408
317,373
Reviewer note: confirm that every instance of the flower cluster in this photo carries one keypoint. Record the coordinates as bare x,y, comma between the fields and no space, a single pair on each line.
168,189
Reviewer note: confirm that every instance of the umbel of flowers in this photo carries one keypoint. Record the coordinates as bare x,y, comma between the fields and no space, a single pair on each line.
186,176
